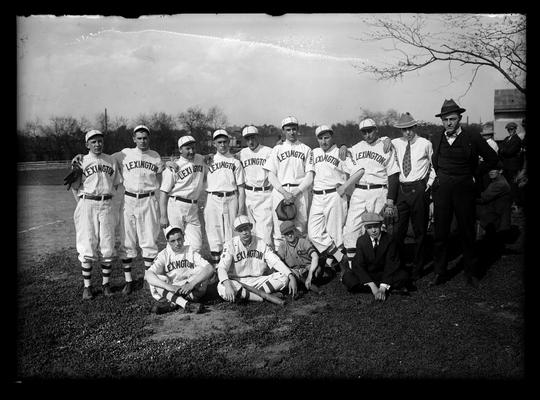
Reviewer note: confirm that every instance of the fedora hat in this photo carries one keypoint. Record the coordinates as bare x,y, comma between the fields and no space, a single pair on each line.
406,121
450,106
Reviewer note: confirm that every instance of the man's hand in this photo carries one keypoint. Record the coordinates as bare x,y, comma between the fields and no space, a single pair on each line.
293,286
380,295
209,159
295,192
172,166
307,283
340,190
77,161
288,196
185,289
163,222
230,293
387,145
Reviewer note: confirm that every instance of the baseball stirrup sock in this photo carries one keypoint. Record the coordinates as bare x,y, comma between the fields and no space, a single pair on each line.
127,270
147,262
86,273
174,298
105,273
243,293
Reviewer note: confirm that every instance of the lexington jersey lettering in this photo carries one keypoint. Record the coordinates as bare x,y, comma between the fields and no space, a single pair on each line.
377,164
253,162
99,174
139,169
178,266
290,162
224,174
329,169
188,181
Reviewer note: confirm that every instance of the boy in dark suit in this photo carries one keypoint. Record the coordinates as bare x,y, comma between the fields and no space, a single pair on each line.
376,266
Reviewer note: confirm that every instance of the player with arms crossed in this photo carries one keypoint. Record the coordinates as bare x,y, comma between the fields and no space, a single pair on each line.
247,260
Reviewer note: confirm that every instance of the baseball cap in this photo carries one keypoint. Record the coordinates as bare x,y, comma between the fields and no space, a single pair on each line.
321,129
249,130
220,132
367,123
289,121
141,128
185,140
371,218
91,134
287,226
168,230
241,221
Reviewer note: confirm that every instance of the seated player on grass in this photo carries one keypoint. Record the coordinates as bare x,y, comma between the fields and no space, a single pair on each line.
179,276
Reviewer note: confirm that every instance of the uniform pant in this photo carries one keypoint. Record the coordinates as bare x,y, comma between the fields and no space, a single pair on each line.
269,283
259,211
362,200
326,220
95,224
186,216
197,292
454,195
219,216
139,224
301,203
413,204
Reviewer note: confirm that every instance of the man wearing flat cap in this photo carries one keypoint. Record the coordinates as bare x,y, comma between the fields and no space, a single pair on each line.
376,266
415,179
455,158
510,153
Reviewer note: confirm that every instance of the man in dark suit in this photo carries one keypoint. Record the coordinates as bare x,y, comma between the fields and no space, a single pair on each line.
510,153
455,160
376,266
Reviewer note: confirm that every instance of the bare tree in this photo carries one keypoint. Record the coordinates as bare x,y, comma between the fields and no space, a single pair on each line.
497,42
388,118
64,126
216,118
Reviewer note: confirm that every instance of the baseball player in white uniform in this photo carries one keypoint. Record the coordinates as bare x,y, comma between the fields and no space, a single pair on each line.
94,215
181,191
288,167
139,216
377,187
247,259
178,276
329,203
258,188
226,196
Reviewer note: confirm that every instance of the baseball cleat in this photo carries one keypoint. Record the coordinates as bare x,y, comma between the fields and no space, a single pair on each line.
87,294
127,288
107,290
195,308
163,307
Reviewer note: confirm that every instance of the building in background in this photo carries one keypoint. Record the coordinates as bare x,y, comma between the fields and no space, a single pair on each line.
509,106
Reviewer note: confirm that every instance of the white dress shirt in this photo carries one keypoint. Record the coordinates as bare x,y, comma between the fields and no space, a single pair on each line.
421,152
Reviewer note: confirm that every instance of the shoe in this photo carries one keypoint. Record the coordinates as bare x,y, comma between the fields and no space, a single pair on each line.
472,281
437,280
107,290
87,293
127,288
163,307
195,308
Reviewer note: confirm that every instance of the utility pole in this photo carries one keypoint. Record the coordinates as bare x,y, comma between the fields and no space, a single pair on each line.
105,120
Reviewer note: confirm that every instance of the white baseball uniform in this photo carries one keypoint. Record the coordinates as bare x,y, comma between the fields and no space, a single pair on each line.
139,218
225,174
258,190
184,189
251,265
328,209
94,216
371,192
290,162
178,268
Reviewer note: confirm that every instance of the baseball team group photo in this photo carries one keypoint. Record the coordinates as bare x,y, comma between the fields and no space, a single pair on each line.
383,247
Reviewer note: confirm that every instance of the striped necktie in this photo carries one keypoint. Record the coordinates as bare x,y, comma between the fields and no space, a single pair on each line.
407,159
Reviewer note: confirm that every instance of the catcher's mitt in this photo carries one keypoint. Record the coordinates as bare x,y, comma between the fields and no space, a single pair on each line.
285,212
72,177
390,215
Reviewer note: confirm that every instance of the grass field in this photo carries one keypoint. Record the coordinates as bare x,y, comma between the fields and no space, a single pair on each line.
449,331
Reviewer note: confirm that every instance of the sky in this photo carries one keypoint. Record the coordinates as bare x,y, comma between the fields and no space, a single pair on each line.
256,68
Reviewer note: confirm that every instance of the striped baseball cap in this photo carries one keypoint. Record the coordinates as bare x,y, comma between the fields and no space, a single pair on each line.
249,130
322,129
185,140
141,128
91,134
289,121
220,132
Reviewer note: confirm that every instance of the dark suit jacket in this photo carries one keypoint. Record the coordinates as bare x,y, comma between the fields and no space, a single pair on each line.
367,266
474,145
510,153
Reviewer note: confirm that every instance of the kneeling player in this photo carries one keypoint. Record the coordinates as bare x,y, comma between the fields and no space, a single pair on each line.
248,260
179,276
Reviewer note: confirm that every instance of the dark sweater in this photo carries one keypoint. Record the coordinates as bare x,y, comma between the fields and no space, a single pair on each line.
452,158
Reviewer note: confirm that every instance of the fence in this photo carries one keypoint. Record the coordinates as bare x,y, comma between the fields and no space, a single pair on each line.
43,165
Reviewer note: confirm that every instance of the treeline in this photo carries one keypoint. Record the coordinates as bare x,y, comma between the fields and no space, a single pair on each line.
63,137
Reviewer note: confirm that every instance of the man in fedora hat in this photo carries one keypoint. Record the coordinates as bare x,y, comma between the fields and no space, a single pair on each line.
455,160
376,265
415,179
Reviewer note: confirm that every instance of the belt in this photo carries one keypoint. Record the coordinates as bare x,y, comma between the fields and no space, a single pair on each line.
291,184
184,200
411,183
139,195
223,194
324,191
369,186
258,189
92,197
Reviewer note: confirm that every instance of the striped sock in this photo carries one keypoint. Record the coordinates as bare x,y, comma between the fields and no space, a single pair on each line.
106,273
174,298
214,257
127,269
246,294
86,273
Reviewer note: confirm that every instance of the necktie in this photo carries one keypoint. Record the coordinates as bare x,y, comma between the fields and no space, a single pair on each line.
407,159
375,245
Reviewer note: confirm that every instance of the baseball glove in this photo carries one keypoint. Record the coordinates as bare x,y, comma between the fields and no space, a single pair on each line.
390,215
285,212
72,177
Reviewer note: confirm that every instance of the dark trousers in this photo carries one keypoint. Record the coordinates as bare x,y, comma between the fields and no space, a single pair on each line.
354,285
454,195
510,175
413,204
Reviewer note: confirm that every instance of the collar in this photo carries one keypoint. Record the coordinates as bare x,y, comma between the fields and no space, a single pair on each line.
455,134
378,238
